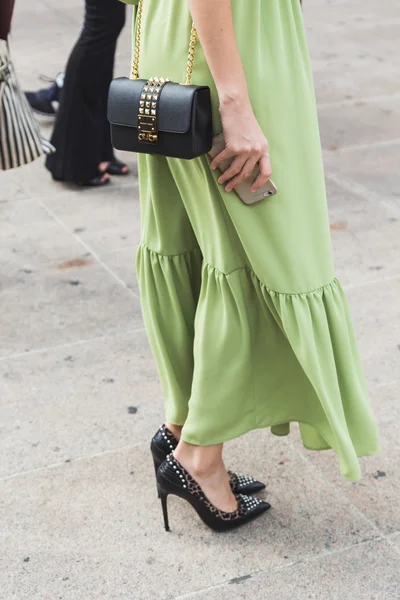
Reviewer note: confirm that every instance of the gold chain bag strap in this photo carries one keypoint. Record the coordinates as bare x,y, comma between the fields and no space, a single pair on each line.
192,48
158,116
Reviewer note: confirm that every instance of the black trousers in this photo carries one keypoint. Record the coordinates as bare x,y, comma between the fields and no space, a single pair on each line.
81,134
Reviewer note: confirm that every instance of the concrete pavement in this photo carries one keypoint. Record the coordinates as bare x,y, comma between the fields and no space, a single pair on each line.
80,398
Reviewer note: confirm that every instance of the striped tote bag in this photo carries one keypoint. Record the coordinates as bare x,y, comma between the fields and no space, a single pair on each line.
20,139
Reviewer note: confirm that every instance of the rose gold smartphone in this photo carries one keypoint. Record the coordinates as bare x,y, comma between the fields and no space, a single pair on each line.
243,189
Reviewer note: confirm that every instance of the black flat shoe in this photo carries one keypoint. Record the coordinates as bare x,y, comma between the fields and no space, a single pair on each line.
164,442
97,180
101,178
117,167
173,479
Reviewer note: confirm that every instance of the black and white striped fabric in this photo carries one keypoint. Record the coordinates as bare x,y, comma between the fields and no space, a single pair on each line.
20,139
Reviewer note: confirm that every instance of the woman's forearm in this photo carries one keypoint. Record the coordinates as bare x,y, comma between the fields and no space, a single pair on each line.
214,24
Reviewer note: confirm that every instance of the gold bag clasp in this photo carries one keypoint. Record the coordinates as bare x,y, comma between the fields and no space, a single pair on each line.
147,117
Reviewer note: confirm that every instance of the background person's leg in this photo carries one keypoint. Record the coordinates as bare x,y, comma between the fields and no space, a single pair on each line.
80,125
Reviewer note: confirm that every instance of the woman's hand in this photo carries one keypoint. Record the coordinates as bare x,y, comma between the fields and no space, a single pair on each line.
245,141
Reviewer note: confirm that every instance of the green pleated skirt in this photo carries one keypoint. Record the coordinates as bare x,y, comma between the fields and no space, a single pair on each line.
248,325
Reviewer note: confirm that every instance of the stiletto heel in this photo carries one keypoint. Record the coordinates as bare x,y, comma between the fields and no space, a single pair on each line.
164,442
159,455
164,495
172,478
157,463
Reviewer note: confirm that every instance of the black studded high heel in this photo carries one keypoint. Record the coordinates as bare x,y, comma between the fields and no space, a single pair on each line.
165,442
172,478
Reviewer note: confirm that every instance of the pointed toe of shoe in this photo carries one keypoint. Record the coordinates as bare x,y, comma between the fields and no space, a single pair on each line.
253,488
258,510
245,484
264,506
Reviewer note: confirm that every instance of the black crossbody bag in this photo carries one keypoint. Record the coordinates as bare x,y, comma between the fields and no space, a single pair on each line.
158,116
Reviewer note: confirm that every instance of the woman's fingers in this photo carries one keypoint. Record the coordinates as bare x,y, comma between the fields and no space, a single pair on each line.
243,163
221,157
246,172
265,173
234,169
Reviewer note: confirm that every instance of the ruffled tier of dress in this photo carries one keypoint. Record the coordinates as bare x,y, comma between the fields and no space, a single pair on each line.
260,359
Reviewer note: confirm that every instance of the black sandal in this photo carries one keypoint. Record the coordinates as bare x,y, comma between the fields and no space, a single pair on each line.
116,167
97,180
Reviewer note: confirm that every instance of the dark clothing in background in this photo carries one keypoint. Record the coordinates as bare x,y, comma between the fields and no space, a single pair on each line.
6,10
82,134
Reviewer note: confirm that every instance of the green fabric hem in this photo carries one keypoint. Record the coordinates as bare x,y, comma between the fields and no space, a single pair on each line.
321,449
274,433
247,429
349,476
174,421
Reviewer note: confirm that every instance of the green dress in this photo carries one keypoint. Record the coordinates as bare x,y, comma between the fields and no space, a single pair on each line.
248,325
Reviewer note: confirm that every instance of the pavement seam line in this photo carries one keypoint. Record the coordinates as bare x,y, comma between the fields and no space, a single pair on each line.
343,497
366,146
68,344
116,250
356,189
381,385
89,249
351,101
391,207
70,461
61,14
352,286
393,544
282,567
